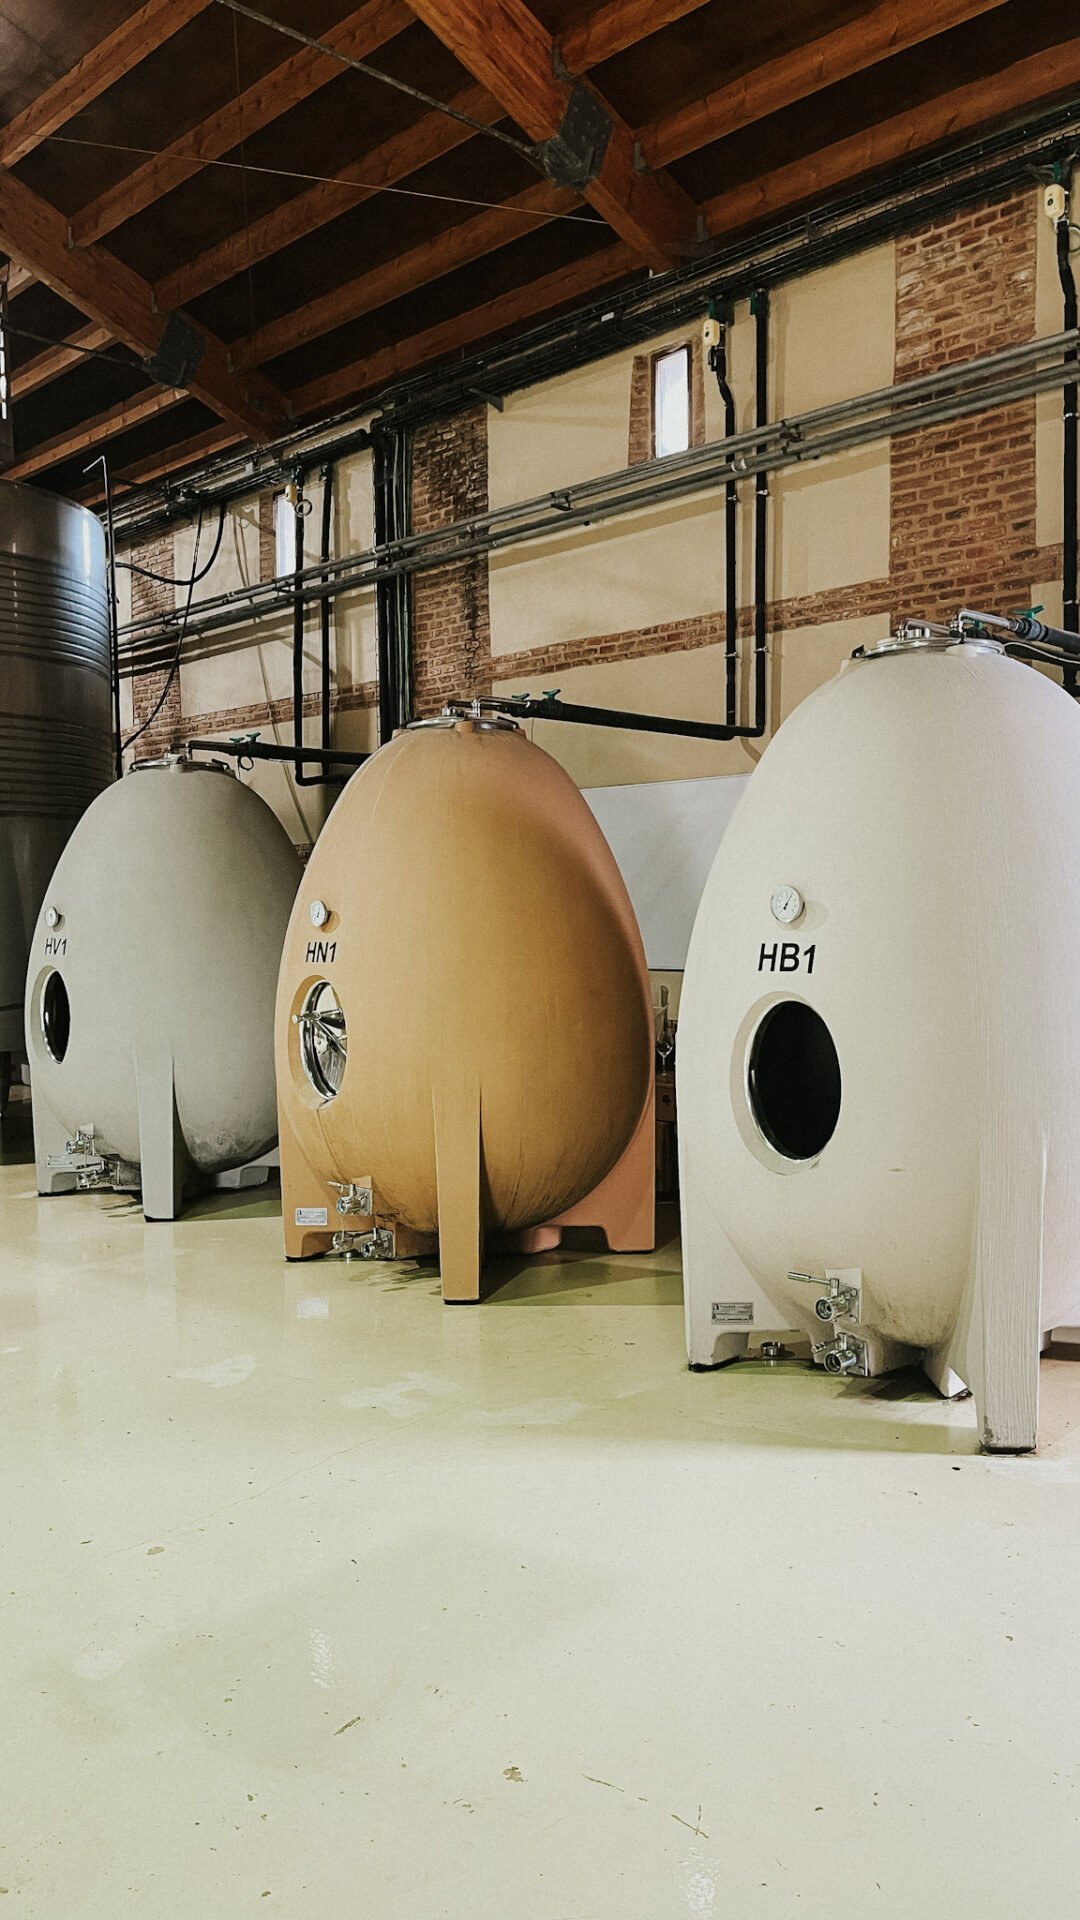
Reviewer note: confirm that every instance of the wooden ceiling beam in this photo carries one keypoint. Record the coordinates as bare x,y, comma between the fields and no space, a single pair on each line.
154,466
512,54
417,146
975,104
556,289
405,273
56,360
620,24
91,76
114,296
301,75
18,279
891,27
94,432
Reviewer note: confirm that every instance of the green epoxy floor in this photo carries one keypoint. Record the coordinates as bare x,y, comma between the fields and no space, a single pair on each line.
318,1598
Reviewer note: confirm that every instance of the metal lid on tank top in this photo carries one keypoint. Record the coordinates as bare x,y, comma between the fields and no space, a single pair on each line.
181,763
925,636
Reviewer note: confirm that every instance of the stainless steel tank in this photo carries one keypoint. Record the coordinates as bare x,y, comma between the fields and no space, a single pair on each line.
56,742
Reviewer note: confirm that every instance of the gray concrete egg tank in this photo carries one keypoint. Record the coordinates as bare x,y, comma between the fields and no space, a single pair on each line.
56,742
150,991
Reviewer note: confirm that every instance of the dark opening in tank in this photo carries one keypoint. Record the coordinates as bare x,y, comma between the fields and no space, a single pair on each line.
795,1080
55,1016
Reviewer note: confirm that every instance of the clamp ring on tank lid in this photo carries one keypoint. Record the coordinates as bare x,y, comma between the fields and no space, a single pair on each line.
455,711
926,636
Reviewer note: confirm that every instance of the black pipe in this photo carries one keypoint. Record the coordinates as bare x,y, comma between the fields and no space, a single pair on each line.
270,750
299,755
760,309
324,608
1070,617
392,473
718,363
101,461
546,708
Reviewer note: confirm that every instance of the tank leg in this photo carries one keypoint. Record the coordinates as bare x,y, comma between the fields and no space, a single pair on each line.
722,1300
162,1158
50,1139
457,1179
624,1204
995,1348
309,1214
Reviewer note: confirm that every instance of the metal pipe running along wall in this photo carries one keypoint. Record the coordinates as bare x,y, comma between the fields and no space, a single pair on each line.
994,380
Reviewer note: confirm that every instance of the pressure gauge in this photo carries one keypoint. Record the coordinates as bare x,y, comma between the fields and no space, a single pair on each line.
787,904
53,916
318,913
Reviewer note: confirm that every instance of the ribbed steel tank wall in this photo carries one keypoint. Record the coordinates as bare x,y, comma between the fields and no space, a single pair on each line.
56,744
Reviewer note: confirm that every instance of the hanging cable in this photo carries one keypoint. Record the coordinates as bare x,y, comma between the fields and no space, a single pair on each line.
334,180
166,580
377,73
174,666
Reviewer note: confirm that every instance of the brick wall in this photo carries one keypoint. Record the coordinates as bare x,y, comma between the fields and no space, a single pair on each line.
451,628
963,494
153,596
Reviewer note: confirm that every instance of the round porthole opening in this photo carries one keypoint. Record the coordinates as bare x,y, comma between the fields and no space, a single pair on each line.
323,1040
55,1016
794,1080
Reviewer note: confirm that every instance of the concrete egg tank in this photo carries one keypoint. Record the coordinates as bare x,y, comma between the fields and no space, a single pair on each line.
150,991
56,738
464,1025
879,1054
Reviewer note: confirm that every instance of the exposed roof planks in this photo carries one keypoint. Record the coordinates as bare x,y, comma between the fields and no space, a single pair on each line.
111,294
465,330
394,159
93,433
887,29
457,246
302,74
512,54
98,70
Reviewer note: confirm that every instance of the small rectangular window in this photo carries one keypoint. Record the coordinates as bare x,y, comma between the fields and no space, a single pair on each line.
284,535
671,402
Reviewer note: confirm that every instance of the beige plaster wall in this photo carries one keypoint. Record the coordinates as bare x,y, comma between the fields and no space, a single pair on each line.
832,335
687,683
1049,445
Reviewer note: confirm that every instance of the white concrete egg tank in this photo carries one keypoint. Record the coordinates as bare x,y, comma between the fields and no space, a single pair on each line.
150,992
879,1052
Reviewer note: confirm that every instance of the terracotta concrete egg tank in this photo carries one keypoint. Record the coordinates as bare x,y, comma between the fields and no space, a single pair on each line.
879,1054
464,1025
150,992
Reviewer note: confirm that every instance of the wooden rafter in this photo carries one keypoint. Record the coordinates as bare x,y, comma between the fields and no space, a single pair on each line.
110,293
18,279
302,74
106,63
456,247
93,433
417,146
154,466
556,289
56,360
897,138
887,29
619,24
512,54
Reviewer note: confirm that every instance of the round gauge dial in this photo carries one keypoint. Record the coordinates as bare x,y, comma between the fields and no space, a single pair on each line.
318,913
787,904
